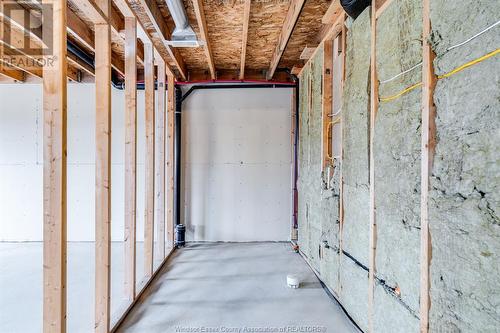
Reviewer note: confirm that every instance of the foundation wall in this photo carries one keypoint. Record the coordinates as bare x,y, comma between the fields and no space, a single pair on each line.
465,182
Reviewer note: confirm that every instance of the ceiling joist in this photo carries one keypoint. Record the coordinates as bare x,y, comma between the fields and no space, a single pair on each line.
202,24
244,39
332,12
286,31
153,11
127,11
27,59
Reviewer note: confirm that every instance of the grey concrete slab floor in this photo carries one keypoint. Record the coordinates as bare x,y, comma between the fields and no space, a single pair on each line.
235,287
21,285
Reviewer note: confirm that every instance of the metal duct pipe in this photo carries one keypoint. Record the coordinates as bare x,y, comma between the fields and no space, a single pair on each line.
183,35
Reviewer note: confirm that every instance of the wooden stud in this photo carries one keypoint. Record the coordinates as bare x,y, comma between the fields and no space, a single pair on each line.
296,69
341,186
286,31
326,102
307,52
103,171
428,147
373,115
130,155
170,160
54,172
149,92
246,20
160,162
332,12
382,6
330,33
202,24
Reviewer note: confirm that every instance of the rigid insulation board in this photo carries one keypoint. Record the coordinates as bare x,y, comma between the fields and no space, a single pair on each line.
237,164
465,184
397,152
355,120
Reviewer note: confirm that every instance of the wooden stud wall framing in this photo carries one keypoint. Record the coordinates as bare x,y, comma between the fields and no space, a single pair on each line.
170,160
130,155
103,170
373,115
54,174
149,94
428,146
327,102
160,162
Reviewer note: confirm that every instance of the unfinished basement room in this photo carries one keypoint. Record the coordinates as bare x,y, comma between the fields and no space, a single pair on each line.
249,166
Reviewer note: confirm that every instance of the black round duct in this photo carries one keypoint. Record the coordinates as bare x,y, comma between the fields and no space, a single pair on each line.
354,7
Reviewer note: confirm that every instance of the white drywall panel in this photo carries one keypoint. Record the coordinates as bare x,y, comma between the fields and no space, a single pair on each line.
237,154
21,162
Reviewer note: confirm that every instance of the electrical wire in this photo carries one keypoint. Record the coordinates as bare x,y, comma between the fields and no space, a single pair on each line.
402,73
473,37
470,63
450,73
401,93
448,49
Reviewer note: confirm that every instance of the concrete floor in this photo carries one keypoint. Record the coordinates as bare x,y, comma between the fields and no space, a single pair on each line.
21,285
227,287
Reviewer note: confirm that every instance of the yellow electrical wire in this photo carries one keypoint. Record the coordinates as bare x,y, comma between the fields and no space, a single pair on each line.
450,73
330,127
470,63
401,93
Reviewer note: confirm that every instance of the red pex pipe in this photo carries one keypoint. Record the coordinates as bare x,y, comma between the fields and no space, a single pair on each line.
231,81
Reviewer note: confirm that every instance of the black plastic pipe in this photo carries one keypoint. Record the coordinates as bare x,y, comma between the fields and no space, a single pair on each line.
296,156
177,155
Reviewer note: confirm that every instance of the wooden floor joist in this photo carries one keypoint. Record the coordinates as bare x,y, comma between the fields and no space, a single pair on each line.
55,174
152,10
130,155
160,162
103,171
428,146
244,39
202,24
12,73
149,94
291,18
373,115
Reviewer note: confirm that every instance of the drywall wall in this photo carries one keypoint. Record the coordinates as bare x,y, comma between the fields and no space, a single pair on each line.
236,164
21,162
465,196
397,151
465,184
